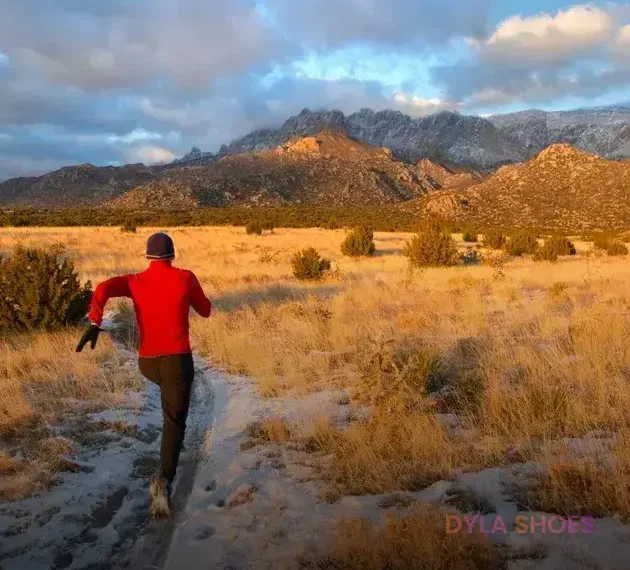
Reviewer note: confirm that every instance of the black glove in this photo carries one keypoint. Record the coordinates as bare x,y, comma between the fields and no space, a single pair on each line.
91,336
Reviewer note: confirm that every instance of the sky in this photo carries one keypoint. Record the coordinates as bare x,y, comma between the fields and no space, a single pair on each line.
119,81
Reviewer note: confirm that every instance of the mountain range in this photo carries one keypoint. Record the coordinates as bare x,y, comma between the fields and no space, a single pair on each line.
475,142
445,163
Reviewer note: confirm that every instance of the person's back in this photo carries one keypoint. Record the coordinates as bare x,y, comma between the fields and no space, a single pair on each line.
162,297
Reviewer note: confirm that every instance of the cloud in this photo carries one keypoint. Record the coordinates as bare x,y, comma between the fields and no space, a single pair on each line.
545,39
162,43
576,52
150,155
418,106
331,23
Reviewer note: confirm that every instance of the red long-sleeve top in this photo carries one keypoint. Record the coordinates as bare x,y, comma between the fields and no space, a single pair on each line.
162,296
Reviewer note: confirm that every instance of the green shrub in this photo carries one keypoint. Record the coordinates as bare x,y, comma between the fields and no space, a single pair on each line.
469,237
308,265
332,224
520,243
494,239
431,247
129,226
268,225
610,246
40,290
545,253
359,242
254,228
560,245
615,247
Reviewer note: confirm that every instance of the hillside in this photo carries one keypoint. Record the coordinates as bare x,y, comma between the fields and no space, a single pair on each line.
561,187
329,169
72,186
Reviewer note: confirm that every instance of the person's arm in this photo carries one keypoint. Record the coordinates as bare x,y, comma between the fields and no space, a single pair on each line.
198,299
115,287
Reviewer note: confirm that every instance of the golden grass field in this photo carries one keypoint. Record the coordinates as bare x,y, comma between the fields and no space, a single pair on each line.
526,354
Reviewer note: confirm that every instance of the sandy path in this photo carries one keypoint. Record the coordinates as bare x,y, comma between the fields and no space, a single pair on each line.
98,518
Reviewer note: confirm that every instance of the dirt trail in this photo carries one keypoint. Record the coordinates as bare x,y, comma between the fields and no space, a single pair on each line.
98,518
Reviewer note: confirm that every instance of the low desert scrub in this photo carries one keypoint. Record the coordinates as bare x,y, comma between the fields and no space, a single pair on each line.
398,451
359,242
520,243
309,265
494,239
431,247
254,228
38,289
415,541
469,236
610,246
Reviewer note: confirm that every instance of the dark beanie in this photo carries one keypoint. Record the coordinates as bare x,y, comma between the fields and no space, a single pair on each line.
160,246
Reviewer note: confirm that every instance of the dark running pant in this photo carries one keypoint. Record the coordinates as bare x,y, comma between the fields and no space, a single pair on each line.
174,375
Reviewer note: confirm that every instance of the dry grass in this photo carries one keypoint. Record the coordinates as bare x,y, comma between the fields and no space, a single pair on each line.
540,349
418,541
44,382
597,484
392,452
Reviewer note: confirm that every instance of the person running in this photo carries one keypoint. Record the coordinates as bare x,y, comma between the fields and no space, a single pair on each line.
162,296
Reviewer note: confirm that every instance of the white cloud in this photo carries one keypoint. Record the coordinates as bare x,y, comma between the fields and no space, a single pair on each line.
150,155
547,38
418,106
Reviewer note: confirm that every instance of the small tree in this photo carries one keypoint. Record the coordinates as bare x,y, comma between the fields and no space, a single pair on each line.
129,226
309,265
469,236
615,247
431,247
40,290
254,228
521,242
494,239
559,245
359,242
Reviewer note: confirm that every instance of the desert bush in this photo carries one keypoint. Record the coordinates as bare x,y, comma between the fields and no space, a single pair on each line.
616,248
254,228
359,242
520,243
309,265
469,237
546,253
494,239
129,226
268,225
559,245
610,246
39,290
431,247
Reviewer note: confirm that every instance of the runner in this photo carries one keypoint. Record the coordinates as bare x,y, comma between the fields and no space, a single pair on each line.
162,296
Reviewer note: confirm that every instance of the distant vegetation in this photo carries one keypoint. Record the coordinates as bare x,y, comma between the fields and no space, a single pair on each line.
380,218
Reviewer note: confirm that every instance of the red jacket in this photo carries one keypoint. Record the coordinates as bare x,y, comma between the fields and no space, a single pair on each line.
162,296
